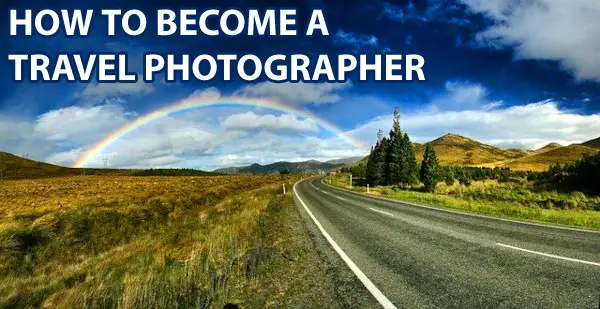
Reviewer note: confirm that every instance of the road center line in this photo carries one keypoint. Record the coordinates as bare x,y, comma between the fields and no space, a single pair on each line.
549,255
382,212
383,301
340,198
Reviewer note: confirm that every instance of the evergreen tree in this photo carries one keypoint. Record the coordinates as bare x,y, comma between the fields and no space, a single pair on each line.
394,158
430,169
410,170
372,177
375,163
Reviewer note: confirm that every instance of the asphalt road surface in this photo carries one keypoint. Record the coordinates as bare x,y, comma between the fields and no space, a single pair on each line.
409,256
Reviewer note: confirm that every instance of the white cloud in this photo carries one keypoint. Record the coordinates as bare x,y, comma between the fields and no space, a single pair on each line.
104,90
252,121
357,40
556,30
80,124
527,126
296,93
461,95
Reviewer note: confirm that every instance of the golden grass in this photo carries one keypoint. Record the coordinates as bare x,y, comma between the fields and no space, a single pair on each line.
540,161
138,242
453,149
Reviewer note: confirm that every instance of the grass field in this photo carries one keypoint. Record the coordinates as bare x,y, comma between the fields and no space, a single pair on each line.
143,242
514,200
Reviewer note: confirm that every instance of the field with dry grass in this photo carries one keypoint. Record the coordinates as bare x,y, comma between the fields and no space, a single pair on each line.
162,242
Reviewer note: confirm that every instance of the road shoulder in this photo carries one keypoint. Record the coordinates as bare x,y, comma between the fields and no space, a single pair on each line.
350,291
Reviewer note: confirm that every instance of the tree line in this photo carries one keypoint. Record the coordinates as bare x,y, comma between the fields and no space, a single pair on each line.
392,160
583,175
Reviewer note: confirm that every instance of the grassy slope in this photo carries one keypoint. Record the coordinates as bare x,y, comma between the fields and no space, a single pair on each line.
15,167
454,149
540,161
548,147
511,200
595,143
156,242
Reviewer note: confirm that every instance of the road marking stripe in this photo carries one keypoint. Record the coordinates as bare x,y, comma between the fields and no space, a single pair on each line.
383,301
340,198
549,255
381,211
458,212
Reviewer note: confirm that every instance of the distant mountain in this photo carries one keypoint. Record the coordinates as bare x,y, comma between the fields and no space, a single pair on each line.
311,166
351,160
548,147
453,149
541,161
595,143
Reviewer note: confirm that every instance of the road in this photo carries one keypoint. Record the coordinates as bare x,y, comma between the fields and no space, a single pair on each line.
416,257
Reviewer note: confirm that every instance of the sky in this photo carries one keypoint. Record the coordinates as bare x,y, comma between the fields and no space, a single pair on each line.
514,74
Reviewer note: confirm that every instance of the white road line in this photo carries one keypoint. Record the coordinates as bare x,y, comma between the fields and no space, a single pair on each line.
383,301
549,255
382,212
464,213
340,198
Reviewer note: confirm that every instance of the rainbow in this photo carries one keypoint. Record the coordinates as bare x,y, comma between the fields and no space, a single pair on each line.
193,103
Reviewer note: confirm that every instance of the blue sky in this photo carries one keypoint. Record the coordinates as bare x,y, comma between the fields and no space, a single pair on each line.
509,73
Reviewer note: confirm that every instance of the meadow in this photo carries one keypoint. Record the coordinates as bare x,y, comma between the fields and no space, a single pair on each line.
515,199
156,242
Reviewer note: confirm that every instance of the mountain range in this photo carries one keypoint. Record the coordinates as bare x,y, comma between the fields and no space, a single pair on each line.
451,149
311,166
454,149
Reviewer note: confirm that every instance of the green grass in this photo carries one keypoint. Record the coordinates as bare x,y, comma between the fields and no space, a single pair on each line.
511,200
157,242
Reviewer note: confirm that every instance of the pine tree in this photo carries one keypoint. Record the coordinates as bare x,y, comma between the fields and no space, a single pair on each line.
430,169
411,169
394,156
393,160
375,163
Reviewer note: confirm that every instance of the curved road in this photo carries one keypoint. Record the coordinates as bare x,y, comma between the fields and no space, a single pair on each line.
410,256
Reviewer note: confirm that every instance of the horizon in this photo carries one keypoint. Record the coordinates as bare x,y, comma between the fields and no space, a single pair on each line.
26,156
490,76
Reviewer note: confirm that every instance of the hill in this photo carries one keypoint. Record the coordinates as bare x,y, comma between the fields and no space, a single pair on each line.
311,166
595,143
351,160
541,161
15,167
453,149
456,150
548,147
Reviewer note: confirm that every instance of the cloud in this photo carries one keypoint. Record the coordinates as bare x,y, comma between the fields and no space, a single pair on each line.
105,90
296,93
438,11
461,95
393,12
252,121
555,30
527,126
356,40
80,124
